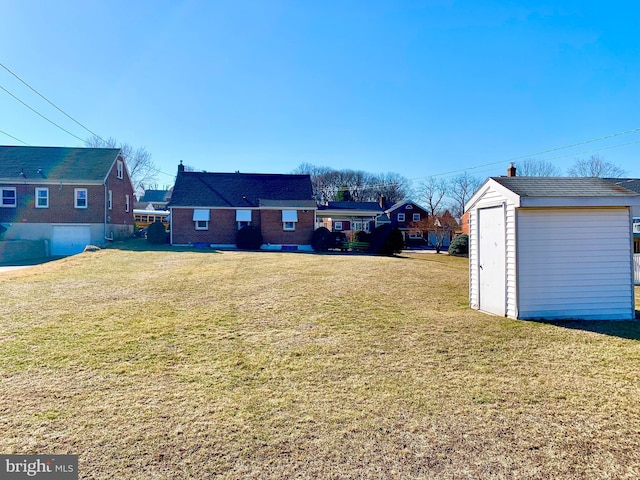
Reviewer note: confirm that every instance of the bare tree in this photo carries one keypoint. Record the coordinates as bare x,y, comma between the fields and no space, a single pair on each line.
393,186
595,166
141,168
432,194
538,168
437,229
460,190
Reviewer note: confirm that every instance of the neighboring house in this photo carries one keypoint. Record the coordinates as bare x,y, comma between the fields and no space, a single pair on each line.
552,248
69,197
210,208
349,217
405,215
154,200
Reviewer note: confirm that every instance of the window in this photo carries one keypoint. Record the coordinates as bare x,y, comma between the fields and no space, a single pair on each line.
126,203
120,169
201,219
409,207
42,198
8,197
110,200
243,218
401,217
337,226
81,197
416,217
289,219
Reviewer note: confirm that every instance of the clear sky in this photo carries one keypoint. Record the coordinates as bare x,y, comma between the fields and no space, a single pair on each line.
419,88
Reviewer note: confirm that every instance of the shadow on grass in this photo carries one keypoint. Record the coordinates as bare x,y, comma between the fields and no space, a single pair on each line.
628,329
141,245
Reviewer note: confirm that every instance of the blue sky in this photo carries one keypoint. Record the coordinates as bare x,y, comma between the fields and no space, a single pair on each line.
419,88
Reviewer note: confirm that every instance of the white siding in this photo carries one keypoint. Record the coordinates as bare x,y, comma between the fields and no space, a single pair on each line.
510,261
574,263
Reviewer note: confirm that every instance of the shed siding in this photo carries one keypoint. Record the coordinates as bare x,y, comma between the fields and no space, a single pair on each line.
474,294
575,263
510,261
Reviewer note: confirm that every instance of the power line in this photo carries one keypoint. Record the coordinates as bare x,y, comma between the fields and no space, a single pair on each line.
49,101
41,115
15,138
626,132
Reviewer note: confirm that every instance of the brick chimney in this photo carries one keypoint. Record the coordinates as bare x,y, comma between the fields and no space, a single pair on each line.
511,171
383,201
180,167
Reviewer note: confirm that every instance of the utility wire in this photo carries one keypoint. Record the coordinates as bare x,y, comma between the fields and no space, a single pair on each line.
15,138
41,115
49,101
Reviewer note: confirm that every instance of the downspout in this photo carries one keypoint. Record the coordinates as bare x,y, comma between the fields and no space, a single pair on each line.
106,211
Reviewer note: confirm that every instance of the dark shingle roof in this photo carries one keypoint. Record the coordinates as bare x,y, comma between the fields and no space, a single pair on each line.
155,196
56,163
632,184
373,206
237,190
562,187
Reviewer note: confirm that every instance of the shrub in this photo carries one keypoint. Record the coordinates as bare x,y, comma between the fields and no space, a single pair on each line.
459,245
156,233
386,240
362,236
320,239
249,238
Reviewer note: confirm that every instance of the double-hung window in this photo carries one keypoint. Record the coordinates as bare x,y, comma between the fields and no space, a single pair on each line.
9,197
289,220
81,197
401,217
201,219
110,200
42,197
120,169
416,217
243,218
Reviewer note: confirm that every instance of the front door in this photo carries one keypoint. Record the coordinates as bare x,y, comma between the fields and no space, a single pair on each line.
491,260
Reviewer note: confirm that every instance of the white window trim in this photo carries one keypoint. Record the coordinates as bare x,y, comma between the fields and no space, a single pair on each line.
75,197
416,217
198,225
127,203
401,217
15,197
120,169
289,226
42,189
110,200
337,226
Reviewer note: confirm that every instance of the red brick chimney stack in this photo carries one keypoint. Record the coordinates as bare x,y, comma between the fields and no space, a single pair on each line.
511,171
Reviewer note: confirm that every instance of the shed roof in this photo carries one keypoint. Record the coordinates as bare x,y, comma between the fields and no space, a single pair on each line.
55,163
239,190
632,184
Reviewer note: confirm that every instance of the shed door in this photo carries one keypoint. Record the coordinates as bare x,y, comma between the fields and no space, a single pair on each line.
70,239
491,260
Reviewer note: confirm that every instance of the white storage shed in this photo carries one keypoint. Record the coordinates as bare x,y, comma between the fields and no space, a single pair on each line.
552,248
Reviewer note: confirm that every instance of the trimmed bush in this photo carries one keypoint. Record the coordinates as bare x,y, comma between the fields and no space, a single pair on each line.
320,239
156,233
386,240
459,245
249,238
362,236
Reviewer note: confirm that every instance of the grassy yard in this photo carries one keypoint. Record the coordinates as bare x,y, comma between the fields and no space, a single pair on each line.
171,365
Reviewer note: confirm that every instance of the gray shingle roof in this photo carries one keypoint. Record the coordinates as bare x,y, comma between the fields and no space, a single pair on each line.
56,163
562,187
155,195
373,206
237,190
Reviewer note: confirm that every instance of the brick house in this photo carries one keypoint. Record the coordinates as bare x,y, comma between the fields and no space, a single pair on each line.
67,197
210,208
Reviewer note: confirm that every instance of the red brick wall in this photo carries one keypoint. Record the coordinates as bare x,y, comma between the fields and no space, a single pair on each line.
223,227
120,188
61,205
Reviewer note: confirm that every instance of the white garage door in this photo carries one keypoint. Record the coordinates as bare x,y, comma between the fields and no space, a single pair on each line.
70,239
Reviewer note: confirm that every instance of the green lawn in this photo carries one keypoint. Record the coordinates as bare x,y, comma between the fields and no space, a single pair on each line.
174,365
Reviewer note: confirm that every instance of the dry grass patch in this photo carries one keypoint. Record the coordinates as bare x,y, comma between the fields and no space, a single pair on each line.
274,365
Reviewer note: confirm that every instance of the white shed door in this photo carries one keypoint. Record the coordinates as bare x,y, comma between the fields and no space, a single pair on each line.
70,239
491,260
